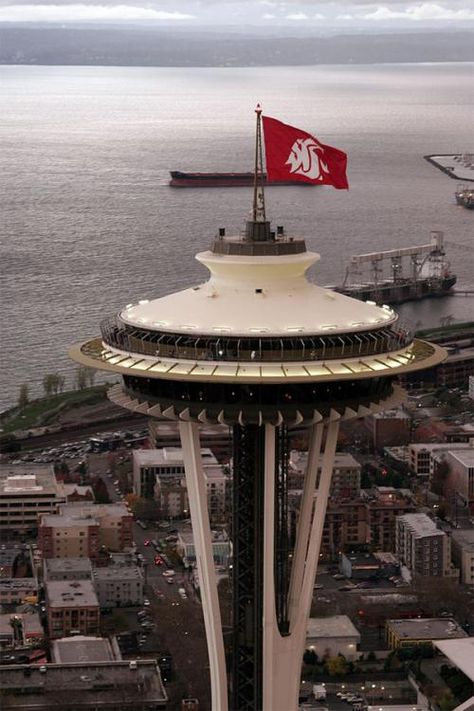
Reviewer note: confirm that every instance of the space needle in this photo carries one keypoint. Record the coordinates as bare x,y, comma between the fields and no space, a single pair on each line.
261,349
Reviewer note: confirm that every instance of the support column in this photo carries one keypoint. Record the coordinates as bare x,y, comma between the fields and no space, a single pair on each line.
189,434
306,513
283,654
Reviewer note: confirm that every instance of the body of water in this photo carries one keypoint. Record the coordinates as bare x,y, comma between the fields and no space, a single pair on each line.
90,224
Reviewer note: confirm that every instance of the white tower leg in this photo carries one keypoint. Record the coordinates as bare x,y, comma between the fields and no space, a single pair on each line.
283,655
189,433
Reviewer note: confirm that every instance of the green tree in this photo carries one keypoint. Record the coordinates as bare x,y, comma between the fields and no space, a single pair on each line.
336,666
447,702
23,397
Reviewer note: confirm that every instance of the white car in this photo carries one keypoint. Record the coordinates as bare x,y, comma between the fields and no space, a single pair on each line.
168,573
146,602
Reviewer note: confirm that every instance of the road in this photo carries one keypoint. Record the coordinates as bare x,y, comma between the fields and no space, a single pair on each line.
179,623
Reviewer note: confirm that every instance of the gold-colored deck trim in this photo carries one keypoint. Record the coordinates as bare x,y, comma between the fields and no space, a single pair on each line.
418,356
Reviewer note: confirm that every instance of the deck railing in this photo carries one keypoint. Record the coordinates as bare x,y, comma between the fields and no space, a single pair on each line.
122,336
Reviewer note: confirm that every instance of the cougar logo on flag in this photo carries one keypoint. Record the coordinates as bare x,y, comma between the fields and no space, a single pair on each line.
305,159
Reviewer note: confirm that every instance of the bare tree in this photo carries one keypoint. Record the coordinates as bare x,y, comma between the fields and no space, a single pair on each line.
23,397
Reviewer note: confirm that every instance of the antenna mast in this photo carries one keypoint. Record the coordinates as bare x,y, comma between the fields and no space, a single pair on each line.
258,212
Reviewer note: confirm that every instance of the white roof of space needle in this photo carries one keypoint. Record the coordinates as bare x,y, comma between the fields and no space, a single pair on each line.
248,295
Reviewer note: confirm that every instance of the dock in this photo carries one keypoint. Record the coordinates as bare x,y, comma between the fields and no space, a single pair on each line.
459,166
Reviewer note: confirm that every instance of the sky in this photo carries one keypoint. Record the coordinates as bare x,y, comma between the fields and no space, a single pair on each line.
315,14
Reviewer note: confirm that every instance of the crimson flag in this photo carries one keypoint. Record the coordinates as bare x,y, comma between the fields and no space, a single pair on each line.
292,155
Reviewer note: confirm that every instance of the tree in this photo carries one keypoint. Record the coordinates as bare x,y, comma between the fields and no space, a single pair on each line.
81,377
336,666
23,397
310,657
53,383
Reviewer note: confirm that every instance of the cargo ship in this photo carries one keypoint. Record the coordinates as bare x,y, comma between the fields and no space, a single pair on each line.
218,180
465,196
430,274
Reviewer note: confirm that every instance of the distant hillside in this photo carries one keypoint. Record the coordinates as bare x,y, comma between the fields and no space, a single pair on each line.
170,48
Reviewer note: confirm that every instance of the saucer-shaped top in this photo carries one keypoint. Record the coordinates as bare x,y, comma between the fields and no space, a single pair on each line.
251,296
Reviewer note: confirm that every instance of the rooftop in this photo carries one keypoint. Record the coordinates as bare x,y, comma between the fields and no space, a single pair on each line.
460,652
464,457
420,525
67,565
430,628
283,303
112,683
28,480
166,456
119,572
70,593
82,649
31,624
336,626
464,538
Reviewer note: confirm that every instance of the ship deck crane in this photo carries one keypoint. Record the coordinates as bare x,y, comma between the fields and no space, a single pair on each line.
432,251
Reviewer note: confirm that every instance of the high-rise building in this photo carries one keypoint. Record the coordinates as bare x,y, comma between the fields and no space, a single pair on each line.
422,546
261,349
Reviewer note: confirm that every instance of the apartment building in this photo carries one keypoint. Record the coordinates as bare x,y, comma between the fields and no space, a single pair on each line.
67,569
168,462
118,586
81,530
461,475
72,608
423,457
345,481
422,547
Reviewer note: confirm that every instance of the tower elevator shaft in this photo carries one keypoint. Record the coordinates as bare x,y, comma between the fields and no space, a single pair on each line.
248,507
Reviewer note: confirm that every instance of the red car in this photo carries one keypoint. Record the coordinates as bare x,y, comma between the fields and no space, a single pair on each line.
146,542
158,560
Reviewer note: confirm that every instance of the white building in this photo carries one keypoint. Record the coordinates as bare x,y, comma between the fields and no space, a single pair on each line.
330,636
461,475
422,455
148,464
118,586
221,548
462,551
26,491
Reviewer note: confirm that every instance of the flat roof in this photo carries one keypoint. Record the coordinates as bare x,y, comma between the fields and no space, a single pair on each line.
464,456
83,508
166,456
28,480
31,624
335,626
67,565
111,681
121,572
70,593
464,537
421,525
460,652
82,649
430,628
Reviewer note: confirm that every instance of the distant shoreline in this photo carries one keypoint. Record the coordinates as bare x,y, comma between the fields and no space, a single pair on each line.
138,47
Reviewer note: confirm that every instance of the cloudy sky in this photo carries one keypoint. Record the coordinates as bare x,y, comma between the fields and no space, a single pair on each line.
317,14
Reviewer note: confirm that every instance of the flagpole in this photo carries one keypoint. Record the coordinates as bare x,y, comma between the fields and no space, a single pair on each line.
258,212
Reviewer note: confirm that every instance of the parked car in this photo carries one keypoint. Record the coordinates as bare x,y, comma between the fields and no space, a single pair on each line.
169,573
